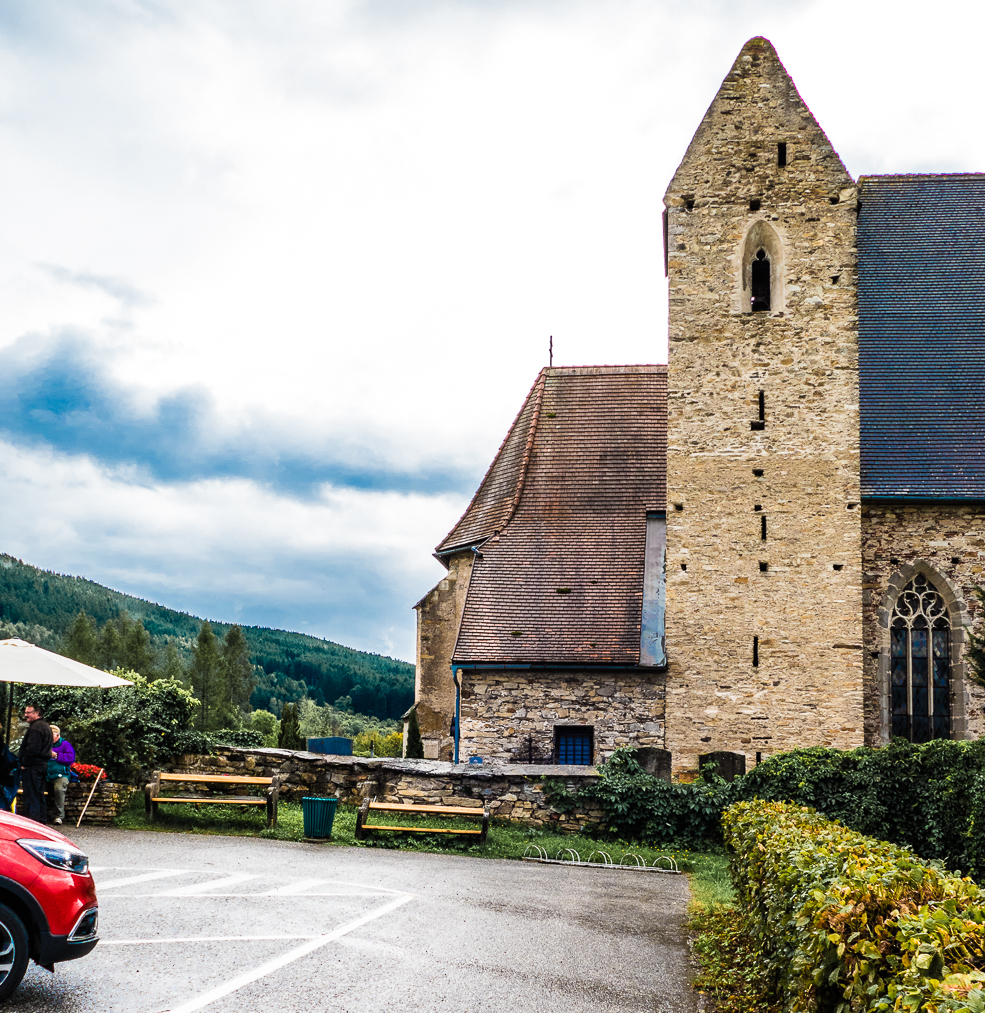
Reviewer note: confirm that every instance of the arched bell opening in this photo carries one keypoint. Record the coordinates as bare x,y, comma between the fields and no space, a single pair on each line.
762,270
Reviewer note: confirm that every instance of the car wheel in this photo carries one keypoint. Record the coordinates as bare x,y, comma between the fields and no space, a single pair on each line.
13,951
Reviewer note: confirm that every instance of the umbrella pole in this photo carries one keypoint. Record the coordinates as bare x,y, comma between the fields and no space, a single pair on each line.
10,707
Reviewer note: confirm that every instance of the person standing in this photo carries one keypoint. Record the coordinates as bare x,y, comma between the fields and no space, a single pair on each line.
34,756
59,766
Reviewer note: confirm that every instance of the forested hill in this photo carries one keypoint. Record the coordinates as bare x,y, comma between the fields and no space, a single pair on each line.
39,606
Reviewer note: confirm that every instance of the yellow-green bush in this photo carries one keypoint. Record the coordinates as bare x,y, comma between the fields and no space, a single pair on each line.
845,922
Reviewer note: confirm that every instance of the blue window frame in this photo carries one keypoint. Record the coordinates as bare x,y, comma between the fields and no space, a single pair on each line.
574,745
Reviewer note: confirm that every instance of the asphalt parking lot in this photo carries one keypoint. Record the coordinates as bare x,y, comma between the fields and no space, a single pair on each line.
230,925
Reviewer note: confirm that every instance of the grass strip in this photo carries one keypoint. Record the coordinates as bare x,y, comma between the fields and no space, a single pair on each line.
720,940
505,840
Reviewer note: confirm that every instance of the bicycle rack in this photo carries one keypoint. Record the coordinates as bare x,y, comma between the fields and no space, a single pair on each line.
636,863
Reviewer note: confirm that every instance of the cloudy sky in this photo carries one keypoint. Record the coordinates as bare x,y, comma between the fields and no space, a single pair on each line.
275,276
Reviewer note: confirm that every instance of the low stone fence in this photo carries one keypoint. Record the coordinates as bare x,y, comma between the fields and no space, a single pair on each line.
512,791
108,801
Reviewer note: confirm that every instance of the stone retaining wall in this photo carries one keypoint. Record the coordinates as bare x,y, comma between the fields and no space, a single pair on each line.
512,791
108,801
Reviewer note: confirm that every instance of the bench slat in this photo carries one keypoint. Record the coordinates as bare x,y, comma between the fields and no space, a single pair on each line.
440,809
422,830
212,799
216,778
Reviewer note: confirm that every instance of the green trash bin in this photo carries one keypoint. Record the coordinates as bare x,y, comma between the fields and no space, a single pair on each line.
319,815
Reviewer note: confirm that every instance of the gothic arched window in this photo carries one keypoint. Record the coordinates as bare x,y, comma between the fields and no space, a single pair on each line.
761,283
920,663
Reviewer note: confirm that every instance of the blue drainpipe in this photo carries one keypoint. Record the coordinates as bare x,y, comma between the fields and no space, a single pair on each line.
458,707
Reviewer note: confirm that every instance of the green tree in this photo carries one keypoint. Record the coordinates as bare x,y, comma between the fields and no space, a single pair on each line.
290,728
110,646
237,669
136,652
415,745
82,642
173,668
267,725
207,678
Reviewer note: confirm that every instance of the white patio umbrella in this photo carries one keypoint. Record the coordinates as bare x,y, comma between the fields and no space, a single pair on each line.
23,662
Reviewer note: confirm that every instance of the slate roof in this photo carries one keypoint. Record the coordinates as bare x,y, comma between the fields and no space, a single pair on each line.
568,495
921,296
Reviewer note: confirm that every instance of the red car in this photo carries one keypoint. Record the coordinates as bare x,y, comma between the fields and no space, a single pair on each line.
47,900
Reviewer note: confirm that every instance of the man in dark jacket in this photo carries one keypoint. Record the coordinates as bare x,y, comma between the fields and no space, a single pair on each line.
34,756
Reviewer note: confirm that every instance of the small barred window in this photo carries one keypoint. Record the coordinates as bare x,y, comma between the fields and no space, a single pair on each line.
920,664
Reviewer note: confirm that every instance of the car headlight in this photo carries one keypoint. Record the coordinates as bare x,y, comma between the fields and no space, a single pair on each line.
58,856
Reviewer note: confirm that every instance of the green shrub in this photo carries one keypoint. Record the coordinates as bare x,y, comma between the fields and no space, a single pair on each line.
415,745
126,730
243,738
382,745
290,736
636,806
845,922
267,725
928,798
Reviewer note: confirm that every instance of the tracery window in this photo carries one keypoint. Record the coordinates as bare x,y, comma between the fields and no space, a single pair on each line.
920,663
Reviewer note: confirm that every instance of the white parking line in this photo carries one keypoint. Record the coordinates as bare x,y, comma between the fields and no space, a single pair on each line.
214,884
142,878
294,888
234,984
201,939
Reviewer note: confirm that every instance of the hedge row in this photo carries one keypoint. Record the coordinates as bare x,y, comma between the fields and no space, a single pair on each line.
930,798
843,922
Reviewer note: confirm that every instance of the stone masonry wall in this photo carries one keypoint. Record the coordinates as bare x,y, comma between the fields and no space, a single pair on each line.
512,792
108,801
798,589
439,615
511,715
946,541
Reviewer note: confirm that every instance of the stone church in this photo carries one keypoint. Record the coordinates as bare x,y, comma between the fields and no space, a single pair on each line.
774,540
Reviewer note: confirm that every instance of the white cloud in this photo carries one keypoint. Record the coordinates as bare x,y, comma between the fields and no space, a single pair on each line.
366,217
346,565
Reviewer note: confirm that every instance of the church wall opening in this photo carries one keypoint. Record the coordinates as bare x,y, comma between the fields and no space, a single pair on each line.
762,270
940,542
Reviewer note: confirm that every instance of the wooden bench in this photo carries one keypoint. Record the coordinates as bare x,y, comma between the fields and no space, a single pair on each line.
420,810
153,797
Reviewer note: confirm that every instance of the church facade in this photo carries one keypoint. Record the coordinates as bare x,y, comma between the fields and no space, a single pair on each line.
773,541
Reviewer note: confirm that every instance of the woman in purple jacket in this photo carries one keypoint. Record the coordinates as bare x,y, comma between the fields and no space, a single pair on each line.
62,758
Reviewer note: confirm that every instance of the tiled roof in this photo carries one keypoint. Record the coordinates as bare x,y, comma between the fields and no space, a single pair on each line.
497,496
562,581
921,248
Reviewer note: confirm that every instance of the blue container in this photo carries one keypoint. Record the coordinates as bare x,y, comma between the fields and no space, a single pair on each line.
336,745
475,759
319,815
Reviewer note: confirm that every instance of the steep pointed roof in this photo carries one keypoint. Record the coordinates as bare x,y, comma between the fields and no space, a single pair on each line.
757,107
499,492
562,580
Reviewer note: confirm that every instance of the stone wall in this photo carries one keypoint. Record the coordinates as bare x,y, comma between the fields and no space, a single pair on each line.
511,716
764,595
439,615
108,801
512,792
946,542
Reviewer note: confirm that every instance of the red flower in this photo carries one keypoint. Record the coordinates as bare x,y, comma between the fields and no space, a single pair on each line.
87,772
